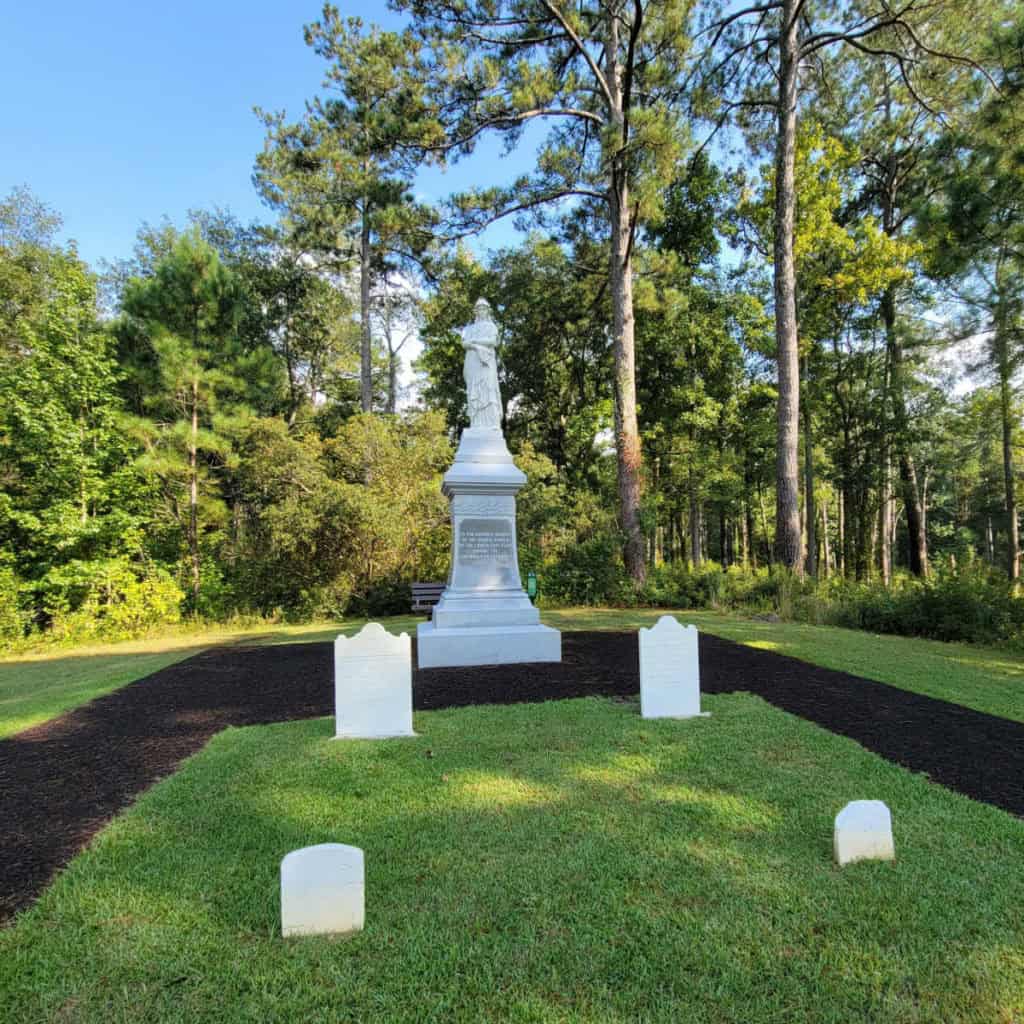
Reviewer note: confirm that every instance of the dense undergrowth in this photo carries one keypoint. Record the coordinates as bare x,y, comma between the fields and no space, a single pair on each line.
971,604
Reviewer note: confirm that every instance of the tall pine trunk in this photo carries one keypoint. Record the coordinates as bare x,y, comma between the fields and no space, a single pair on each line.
1009,476
627,433
787,484
916,537
193,494
365,354
810,512
885,490
696,528
392,383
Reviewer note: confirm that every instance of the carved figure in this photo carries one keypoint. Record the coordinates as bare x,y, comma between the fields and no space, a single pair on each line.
480,369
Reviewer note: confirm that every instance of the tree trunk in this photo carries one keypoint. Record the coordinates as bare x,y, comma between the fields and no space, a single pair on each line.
392,382
917,542
193,494
627,433
747,536
768,542
824,536
990,541
841,545
365,353
885,495
1009,476
787,486
810,512
696,527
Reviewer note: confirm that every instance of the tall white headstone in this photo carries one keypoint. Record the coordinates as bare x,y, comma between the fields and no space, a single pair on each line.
373,684
484,616
323,890
669,670
863,831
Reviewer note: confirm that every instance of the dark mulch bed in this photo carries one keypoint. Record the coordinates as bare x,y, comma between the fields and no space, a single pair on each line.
63,780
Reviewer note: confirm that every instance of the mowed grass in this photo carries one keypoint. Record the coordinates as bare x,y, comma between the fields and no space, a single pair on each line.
36,687
989,679
537,863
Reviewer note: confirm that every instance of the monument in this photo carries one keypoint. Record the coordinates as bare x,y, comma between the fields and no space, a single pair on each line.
484,616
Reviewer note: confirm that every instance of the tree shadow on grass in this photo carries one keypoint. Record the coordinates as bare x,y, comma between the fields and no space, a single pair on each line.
570,861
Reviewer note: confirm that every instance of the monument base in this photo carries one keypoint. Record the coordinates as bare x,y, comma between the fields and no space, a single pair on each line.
438,647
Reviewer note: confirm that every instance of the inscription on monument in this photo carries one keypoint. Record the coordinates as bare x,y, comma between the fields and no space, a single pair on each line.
485,555
485,542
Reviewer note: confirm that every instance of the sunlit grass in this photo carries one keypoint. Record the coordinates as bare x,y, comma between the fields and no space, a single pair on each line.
36,687
559,862
987,679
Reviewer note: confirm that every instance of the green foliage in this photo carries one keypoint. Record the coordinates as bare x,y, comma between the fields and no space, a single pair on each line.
590,572
584,864
972,604
110,600
13,620
343,522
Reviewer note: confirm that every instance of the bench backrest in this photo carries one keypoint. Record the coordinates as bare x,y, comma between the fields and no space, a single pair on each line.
426,595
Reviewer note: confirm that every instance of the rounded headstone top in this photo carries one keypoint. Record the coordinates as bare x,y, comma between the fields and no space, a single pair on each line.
483,330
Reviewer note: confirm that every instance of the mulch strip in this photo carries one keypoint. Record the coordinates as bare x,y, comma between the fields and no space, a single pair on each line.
62,781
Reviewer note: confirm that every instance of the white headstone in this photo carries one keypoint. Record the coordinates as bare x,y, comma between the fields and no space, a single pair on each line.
863,831
373,684
323,890
669,670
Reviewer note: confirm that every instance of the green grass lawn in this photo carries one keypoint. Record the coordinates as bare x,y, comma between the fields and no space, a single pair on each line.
541,863
36,687
988,679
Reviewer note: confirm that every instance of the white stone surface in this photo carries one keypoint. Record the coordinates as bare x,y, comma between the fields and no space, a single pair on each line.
480,368
486,645
484,616
669,670
373,684
323,890
863,831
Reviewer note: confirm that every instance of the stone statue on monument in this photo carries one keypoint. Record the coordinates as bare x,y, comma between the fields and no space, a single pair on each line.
480,369
484,616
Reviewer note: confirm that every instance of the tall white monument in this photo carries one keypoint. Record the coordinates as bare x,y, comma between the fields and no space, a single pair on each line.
484,616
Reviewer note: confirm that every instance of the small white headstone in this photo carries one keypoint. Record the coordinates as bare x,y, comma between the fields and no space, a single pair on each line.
669,670
373,684
323,890
863,831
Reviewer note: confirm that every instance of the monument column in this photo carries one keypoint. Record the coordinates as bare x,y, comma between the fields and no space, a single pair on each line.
484,616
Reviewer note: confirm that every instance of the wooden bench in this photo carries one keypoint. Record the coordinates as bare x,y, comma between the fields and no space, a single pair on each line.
425,596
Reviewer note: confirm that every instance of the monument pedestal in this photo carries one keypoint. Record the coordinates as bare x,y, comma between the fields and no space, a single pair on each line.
484,616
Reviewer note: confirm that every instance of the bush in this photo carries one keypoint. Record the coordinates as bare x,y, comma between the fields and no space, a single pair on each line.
973,604
388,597
681,585
109,600
591,573
13,620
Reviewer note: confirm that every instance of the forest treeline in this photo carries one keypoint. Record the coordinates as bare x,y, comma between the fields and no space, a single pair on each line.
761,336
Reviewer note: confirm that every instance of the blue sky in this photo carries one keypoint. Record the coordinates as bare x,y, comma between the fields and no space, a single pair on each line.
118,113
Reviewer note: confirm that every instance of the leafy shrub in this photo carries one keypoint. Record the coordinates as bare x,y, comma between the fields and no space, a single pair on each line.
387,597
590,572
973,604
110,600
681,585
13,620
